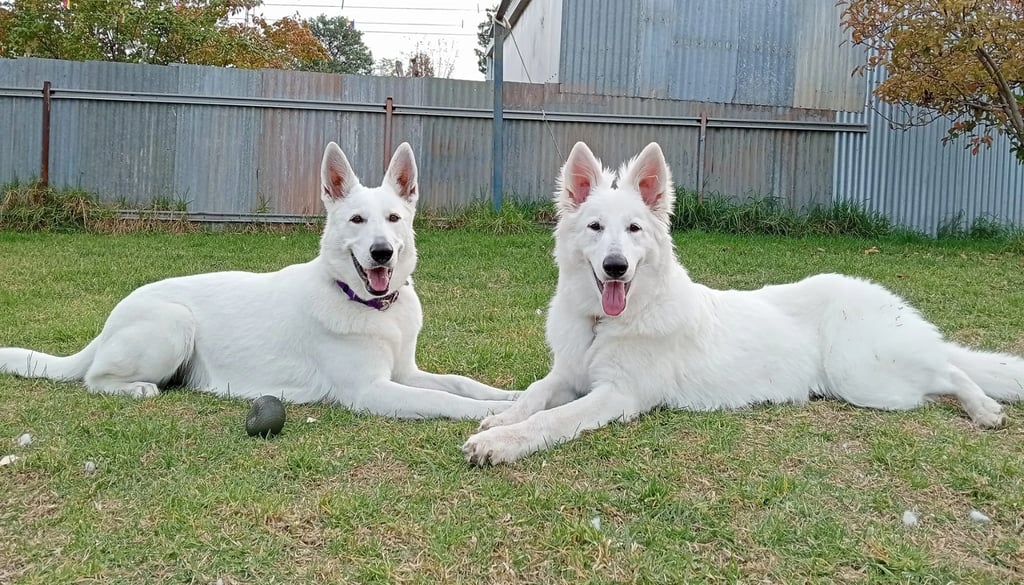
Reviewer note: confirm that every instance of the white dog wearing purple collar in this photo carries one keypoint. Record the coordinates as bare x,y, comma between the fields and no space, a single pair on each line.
341,328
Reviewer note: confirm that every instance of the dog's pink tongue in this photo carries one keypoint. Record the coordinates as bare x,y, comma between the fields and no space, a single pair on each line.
379,279
613,299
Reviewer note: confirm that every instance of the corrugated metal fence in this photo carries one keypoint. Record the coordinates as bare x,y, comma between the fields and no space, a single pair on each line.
240,142
237,142
917,181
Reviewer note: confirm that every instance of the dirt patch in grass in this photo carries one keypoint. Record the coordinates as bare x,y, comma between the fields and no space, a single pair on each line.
1016,346
28,511
300,523
385,469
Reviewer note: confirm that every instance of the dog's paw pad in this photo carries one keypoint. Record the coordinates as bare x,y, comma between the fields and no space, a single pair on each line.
988,415
499,445
477,452
143,390
990,420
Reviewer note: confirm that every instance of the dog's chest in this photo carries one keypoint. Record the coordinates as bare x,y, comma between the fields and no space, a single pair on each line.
585,354
395,325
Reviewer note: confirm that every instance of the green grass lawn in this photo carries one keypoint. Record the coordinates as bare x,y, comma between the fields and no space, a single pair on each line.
778,494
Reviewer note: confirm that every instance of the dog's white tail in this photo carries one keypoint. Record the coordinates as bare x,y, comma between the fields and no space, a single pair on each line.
34,364
1000,375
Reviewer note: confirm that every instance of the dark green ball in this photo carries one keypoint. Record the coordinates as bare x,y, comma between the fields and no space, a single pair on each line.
266,417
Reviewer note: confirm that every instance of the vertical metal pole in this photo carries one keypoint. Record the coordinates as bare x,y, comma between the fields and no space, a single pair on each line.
701,149
44,171
388,108
497,133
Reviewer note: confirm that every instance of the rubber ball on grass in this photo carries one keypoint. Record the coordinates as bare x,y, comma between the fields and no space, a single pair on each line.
266,417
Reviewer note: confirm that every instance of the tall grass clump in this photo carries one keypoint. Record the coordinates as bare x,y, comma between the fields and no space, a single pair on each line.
33,207
772,216
1015,245
982,228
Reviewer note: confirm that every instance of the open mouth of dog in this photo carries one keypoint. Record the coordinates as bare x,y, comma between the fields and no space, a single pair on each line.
376,279
613,295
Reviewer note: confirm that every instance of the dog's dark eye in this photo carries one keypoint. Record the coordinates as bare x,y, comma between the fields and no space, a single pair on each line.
595,226
357,219
393,218
634,228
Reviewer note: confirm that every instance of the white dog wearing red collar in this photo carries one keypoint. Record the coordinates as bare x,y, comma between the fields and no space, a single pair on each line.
630,332
341,328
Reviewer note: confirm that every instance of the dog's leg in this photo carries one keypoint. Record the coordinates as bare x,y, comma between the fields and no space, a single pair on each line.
387,398
457,385
984,411
141,348
548,392
548,428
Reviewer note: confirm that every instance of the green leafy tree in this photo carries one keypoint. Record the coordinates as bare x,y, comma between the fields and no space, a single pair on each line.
346,52
958,60
154,31
484,34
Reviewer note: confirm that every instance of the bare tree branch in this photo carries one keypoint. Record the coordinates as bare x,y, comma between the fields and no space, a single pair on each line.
1009,104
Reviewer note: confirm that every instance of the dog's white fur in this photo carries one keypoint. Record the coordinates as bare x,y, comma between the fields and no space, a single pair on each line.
292,333
679,344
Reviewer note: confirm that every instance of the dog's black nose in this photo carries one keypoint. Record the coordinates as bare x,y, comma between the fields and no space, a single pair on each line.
615,265
381,252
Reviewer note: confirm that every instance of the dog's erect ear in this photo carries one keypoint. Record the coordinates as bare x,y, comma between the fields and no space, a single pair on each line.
337,178
402,174
581,173
649,174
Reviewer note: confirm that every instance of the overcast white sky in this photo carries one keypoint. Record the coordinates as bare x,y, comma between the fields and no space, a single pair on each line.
392,28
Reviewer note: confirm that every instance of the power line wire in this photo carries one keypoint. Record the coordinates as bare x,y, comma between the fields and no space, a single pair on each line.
368,22
415,33
364,7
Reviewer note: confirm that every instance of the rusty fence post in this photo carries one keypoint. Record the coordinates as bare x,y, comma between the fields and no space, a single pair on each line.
389,107
44,170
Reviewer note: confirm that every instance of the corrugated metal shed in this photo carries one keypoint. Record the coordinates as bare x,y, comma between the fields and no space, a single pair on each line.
532,55
912,178
754,52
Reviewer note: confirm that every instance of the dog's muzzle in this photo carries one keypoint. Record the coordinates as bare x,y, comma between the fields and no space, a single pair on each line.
377,279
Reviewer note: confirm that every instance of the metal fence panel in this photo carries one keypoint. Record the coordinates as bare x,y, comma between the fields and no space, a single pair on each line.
125,153
913,178
243,142
216,158
20,138
752,163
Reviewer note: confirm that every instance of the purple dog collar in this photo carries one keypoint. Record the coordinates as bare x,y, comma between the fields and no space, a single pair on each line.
379,303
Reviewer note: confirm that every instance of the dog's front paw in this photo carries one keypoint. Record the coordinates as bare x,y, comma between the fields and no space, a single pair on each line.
494,446
495,420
